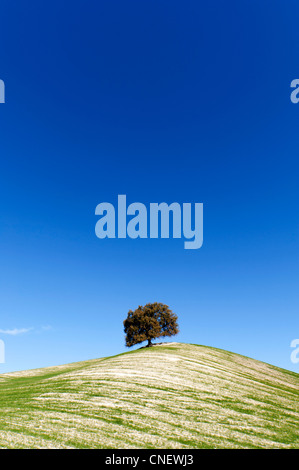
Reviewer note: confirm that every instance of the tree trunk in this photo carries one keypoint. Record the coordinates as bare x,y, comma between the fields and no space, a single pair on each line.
149,343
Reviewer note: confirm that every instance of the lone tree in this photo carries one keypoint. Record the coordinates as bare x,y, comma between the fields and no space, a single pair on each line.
149,322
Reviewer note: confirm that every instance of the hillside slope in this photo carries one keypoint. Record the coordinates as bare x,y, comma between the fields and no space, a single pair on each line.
170,396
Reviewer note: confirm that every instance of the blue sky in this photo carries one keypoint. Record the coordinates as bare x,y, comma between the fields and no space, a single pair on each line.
163,102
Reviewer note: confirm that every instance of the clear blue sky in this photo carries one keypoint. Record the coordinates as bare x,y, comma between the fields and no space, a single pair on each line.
162,101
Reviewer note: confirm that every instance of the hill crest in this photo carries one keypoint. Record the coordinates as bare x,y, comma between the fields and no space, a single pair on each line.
173,395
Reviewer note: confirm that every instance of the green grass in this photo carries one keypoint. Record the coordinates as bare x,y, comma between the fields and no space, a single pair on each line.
169,396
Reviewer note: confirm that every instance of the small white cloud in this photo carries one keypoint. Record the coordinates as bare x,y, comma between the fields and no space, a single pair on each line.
46,328
15,331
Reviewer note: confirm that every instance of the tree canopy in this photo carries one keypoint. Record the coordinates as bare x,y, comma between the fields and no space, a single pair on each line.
149,322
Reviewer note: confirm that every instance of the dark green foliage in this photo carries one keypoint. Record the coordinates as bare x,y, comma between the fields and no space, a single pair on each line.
149,322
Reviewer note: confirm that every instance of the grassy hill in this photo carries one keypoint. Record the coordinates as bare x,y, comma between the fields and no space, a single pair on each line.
169,396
